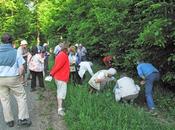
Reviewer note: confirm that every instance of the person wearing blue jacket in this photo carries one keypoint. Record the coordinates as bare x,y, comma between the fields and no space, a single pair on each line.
149,75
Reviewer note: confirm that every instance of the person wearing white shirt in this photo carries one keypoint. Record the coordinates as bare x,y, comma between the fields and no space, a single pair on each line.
125,89
85,66
99,80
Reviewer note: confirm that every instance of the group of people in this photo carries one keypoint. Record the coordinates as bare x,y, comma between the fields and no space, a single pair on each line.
69,60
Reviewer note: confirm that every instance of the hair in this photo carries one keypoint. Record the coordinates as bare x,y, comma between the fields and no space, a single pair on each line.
6,38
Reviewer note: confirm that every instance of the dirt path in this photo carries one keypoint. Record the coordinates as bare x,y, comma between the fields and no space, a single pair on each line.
42,109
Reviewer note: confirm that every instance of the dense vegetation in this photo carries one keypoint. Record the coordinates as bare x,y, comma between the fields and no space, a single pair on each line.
128,29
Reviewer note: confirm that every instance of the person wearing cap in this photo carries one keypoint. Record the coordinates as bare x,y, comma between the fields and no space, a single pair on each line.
60,72
81,52
11,69
24,52
125,89
99,80
149,74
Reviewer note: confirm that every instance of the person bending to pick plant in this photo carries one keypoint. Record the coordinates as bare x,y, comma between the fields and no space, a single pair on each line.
125,89
101,78
60,71
149,75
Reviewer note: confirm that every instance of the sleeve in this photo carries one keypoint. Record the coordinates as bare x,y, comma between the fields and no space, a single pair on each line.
90,69
139,71
60,60
20,60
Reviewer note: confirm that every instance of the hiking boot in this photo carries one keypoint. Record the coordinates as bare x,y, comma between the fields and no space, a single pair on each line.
10,123
24,122
61,112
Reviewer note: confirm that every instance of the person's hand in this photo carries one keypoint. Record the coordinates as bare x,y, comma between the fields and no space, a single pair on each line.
142,82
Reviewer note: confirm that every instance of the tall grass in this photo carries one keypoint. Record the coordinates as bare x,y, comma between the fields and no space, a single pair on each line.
86,111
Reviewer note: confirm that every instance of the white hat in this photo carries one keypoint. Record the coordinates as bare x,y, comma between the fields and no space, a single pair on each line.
112,71
23,42
45,44
76,45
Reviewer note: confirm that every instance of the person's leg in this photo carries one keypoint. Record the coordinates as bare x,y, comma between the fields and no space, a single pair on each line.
33,81
5,99
61,95
149,91
40,78
20,95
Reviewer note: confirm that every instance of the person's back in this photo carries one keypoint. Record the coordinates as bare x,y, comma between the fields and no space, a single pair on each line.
85,66
144,69
127,86
11,69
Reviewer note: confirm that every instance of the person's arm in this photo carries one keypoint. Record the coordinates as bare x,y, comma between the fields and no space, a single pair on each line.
20,62
90,70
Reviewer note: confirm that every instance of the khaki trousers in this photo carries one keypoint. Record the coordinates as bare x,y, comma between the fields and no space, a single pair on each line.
13,85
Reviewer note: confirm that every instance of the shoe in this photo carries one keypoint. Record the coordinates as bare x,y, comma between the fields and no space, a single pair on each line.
153,112
61,112
24,122
10,123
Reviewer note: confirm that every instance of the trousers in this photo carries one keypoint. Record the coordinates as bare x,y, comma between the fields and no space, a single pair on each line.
13,85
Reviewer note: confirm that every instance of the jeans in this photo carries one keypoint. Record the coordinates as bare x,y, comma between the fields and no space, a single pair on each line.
149,88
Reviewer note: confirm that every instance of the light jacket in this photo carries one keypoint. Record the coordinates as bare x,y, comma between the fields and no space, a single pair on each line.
61,69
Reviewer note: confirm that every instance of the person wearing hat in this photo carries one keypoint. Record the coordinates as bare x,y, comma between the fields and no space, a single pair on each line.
60,72
149,74
11,68
125,89
82,52
99,80
24,52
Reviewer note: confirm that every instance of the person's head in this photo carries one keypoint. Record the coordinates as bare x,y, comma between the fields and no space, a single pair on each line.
111,72
65,47
23,43
6,38
72,49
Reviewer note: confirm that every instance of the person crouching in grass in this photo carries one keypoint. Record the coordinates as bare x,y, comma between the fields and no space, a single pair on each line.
99,80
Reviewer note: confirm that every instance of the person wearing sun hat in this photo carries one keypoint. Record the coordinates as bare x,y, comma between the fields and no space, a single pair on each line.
100,79
24,52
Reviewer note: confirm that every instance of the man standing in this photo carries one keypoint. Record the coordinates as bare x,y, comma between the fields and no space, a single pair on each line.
149,74
60,71
11,68
22,50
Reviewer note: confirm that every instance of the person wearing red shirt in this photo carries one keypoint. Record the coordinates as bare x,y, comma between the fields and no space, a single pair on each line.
107,60
60,72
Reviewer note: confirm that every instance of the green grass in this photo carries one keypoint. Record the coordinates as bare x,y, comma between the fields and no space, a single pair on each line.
86,111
